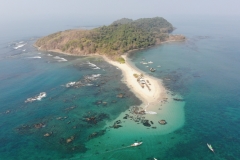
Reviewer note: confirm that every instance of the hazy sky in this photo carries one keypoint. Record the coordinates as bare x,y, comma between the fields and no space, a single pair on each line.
41,17
113,9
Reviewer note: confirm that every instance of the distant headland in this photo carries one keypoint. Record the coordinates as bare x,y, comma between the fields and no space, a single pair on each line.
112,41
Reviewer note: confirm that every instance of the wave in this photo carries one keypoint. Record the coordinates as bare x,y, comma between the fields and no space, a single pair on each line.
70,84
150,112
35,57
94,66
86,81
38,97
19,46
93,77
49,55
60,59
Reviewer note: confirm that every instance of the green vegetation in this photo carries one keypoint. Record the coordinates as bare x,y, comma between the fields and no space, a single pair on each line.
135,75
113,40
121,60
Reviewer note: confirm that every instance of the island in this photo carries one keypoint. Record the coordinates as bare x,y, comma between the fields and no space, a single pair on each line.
112,42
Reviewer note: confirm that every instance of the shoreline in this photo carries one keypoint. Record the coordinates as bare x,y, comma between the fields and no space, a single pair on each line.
158,91
157,103
102,55
153,97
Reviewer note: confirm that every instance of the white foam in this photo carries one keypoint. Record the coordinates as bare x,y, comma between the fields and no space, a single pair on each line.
19,46
38,97
150,112
60,59
56,57
49,55
96,75
70,84
93,65
93,77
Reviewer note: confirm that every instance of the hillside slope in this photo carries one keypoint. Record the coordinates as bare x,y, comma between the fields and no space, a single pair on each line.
113,40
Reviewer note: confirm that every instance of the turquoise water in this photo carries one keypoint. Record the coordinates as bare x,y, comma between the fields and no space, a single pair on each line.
203,70
63,111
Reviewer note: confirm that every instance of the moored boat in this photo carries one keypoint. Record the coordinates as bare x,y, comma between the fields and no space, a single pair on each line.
152,69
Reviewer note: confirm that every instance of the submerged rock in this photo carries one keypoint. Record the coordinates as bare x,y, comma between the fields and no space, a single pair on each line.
178,99
162,122
146,123
121,95
39,125
70,139
104,103
94,118
47,134
96,134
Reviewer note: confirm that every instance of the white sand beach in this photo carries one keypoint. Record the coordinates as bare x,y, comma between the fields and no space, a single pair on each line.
157,93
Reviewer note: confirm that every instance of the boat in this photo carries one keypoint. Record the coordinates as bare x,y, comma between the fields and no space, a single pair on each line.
136,144
210,147
152,69
150,62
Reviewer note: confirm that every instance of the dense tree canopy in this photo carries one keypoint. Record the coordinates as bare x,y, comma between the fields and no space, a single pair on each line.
121,36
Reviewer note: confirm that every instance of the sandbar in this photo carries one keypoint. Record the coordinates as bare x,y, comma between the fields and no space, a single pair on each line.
148,97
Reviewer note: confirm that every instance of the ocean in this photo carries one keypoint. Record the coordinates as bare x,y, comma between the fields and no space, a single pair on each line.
85,96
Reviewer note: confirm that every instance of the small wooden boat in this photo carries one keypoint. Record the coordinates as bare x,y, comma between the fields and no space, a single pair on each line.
152,69
136,144
210,147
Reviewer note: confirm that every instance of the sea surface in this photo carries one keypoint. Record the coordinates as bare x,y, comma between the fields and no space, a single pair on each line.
85,96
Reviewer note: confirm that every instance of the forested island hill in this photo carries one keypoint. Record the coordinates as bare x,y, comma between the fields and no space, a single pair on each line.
119,37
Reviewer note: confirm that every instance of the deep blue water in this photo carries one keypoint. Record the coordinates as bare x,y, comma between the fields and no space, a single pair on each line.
204,70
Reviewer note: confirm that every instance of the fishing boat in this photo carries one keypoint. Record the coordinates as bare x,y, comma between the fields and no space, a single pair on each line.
152,69
136,144
210,147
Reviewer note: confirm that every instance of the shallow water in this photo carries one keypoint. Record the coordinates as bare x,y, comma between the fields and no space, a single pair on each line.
203,71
